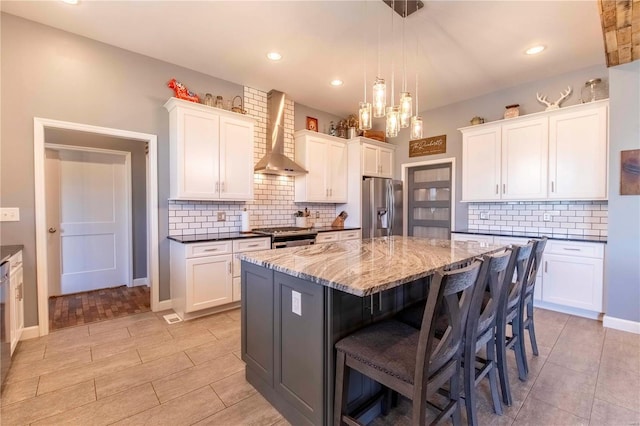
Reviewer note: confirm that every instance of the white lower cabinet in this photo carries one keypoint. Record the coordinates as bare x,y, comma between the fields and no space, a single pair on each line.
16,299
571,275
244,246
333,236
206,276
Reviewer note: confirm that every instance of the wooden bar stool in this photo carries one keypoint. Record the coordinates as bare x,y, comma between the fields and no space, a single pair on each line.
509,313
410,361
526,304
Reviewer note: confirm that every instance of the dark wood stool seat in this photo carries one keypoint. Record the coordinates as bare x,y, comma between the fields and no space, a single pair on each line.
409,360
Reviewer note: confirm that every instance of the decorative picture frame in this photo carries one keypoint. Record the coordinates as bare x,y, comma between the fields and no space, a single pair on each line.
312,124
630,172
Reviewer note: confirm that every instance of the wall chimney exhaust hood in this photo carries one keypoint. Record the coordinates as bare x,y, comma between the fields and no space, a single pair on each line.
275,162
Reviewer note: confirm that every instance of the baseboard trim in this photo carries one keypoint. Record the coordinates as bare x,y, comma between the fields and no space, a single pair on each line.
141,281
621,324
30,332
163,305
568,310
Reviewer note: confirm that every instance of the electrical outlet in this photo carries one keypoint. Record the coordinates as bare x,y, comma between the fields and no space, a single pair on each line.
317,214
9,214
222,216
546,217
296,303
484,215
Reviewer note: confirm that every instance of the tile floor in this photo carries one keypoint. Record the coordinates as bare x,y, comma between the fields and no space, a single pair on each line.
140,370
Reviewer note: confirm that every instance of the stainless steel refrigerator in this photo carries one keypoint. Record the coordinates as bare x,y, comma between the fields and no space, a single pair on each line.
381,207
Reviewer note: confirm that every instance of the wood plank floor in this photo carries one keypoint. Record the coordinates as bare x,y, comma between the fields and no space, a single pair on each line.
97,305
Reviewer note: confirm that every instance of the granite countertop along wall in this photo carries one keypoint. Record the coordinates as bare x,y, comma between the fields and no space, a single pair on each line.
522,234
202,238
366,267
7,251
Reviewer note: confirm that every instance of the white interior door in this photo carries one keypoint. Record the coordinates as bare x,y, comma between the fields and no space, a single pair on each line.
94,221
52,194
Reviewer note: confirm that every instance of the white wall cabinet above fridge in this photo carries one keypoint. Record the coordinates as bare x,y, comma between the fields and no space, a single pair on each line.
325,158
552,155
211,153
377,158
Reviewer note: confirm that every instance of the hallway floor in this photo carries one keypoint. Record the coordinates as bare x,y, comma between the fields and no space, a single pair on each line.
97,305
140,370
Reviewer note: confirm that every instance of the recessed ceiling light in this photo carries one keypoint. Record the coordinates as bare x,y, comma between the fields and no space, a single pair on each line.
274,56
336,82
70,1
535,50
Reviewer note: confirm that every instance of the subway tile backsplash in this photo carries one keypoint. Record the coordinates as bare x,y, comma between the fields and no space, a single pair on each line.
566,217
273,203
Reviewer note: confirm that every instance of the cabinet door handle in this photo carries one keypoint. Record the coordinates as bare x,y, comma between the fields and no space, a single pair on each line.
504,188
546,264
497,189
222,187
217,186
371,301
380,301
229,267
331,192
552,187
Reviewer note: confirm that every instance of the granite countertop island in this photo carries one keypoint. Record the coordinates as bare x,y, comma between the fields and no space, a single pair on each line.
298,302
366,267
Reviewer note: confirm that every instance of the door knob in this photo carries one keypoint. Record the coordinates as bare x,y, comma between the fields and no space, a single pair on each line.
52,230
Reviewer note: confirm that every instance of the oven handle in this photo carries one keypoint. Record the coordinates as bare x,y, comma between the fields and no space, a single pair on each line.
294,243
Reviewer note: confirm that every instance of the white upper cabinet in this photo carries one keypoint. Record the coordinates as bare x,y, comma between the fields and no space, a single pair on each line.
211,153
377,160
578,157
524,159
481,164
325,158
559,155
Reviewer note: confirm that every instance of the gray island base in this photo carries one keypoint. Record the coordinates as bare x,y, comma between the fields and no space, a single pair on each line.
298,302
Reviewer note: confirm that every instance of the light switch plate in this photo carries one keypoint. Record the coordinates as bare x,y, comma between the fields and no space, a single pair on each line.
9,214
484,215
222,216
296,303
546,217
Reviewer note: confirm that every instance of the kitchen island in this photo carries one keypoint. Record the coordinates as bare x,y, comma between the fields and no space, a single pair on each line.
298,302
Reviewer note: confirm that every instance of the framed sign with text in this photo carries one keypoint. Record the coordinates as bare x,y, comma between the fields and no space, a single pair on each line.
428,146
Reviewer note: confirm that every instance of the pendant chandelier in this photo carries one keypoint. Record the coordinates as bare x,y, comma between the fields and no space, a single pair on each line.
364,110
397,116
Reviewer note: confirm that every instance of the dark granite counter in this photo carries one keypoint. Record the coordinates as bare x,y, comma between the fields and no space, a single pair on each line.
522,234
7,251
201,238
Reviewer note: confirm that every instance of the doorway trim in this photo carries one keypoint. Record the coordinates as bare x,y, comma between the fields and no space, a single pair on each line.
405,193
39,126
128,202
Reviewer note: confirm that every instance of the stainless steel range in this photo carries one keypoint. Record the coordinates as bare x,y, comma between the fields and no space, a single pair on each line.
289,236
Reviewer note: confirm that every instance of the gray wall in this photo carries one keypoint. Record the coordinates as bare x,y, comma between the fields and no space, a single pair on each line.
446,120
324,118
623,250
138,183
54,74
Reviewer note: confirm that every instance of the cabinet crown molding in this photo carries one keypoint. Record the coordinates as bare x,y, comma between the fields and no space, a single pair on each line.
561,110
173,103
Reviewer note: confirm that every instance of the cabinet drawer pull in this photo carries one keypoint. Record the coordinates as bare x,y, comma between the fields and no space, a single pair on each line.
211,249
571,249
253,245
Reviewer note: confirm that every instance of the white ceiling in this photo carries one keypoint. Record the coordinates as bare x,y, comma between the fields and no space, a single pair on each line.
465,48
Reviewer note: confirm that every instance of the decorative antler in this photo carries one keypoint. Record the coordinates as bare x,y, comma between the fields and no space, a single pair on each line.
556,104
